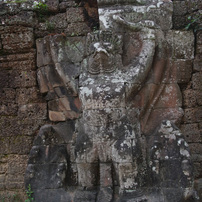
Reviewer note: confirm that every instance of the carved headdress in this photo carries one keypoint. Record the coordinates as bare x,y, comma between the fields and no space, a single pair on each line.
104,49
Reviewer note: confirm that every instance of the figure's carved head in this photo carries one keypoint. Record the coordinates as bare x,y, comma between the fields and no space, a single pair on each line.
104,50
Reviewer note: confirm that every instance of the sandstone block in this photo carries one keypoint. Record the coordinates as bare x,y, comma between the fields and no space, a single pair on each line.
56,116
71,114
43,52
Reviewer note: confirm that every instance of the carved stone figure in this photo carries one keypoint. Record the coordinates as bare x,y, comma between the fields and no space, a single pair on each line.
107,152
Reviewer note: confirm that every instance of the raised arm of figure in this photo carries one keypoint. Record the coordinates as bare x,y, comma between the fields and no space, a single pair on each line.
139,66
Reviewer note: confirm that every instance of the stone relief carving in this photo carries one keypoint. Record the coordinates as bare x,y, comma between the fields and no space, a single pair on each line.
103,149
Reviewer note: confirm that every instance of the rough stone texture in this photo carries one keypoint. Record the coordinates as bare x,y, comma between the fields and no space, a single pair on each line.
106,94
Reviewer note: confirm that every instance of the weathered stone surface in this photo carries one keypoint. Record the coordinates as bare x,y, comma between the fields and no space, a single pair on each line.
192,115
181,71
197,81
24,18
117,84
180,50
13,35
190,98
77,17
53,5
191,132
77,29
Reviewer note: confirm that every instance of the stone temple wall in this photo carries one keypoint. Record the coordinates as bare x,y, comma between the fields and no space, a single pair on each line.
27,104
191,86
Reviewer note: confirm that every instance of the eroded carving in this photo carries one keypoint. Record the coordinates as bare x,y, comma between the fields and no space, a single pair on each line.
108,152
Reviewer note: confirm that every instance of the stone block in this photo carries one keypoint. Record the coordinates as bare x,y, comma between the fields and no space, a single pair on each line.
197,66
78,15
192,115
19,57
8,109
182,43
52,195
181,71
24,18
199,37
64,5
53,5
4,149
179,8
77,29
197,81
14,185
87,174
71,114
19,65
43,52
61,104
179,21
195,148
7,95
17,142
3,168
27,95
4,79
106,175
85,196
22,79
197,172
56,116
189,98
12,36
33,111
56,22
191,132
105,194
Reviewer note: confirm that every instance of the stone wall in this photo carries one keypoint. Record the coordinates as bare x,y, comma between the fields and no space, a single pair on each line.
23,108
191,87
